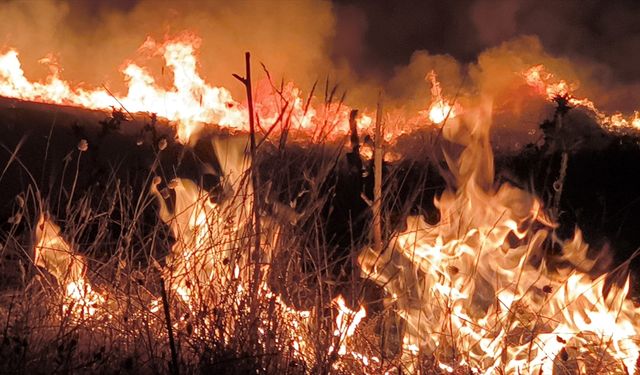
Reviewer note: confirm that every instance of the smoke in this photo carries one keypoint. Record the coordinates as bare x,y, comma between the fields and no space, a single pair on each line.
480,48
92,40
477,49
600,39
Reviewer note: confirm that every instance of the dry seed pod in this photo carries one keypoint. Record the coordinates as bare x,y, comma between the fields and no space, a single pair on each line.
162,144
20,201
83,145
172,184
15,219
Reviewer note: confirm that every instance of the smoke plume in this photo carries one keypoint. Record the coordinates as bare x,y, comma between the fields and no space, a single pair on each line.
477,49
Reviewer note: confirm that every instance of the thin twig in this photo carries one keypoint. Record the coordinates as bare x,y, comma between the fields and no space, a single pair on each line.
167,316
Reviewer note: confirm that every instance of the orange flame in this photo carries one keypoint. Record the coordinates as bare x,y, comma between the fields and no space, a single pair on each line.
55,255
636,120
346,322
440,109
467,288
551,88
470,293
191,102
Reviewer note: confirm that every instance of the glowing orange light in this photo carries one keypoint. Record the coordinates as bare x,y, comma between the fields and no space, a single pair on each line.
55,255
439,110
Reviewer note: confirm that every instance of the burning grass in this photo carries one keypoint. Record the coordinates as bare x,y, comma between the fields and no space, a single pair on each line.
177,279
110,289
101,293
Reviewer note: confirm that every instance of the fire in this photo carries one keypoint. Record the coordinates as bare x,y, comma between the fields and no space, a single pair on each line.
551,88
191,102
204,265
538,78
475,290
206,232
471,294
439,112
204,268
55,255
636,120
440,109
346,322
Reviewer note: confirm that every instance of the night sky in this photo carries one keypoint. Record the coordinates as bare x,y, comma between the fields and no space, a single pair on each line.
606,32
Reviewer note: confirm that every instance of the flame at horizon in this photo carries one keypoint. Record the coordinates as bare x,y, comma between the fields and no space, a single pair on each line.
190,102
551,88
440,109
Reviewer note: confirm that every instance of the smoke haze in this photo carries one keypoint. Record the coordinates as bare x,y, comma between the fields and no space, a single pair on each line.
474,47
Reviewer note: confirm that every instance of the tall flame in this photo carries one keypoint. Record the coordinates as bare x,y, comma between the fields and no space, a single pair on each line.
207,232
347,321
440,109
206,265
476,289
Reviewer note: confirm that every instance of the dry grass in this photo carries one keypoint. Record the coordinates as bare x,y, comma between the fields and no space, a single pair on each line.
234,326
125,243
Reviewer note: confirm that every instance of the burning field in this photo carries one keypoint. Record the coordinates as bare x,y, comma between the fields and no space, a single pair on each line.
459,217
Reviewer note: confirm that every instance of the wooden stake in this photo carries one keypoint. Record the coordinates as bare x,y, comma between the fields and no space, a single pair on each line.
378,154
558,185
353,128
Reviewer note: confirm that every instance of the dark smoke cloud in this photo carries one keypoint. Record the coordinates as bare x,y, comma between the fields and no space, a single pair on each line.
601,38
607,31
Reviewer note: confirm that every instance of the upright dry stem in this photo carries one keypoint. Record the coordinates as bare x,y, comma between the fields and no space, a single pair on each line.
246,80
377,185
